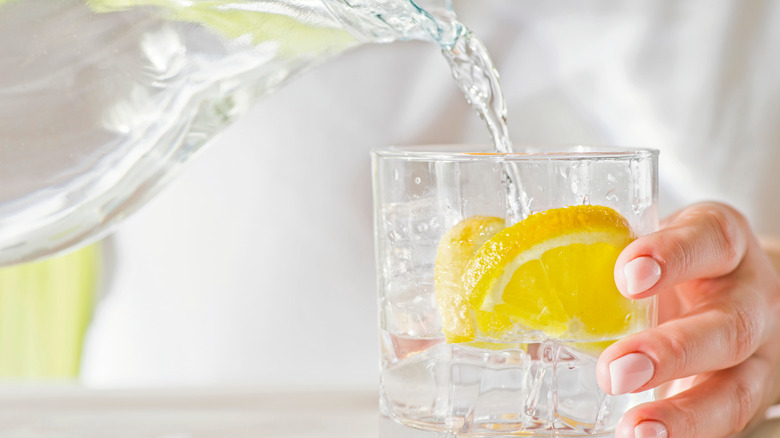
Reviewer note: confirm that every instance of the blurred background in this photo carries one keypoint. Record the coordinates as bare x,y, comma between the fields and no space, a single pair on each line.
255,266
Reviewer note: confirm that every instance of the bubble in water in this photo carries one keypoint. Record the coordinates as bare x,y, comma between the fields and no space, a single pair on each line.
586,200
417,180
575,185
612,195
611,178
395,174
402,254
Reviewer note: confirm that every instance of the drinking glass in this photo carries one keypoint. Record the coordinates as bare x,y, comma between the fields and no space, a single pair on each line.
473,342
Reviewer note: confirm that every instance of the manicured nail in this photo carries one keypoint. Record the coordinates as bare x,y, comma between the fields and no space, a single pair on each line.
630,372
642,273
650,429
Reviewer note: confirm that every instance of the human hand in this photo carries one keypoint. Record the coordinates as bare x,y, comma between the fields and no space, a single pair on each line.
719,325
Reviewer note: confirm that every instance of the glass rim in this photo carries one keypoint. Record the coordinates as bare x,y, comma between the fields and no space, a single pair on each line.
475,152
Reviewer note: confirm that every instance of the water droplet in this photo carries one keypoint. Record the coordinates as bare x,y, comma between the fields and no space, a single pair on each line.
636,206
586,200
612,195
611,178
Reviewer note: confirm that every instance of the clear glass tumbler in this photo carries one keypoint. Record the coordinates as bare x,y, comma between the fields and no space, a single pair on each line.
496,286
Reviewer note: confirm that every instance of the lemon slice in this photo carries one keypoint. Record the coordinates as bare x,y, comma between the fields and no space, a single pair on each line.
456,249
553,272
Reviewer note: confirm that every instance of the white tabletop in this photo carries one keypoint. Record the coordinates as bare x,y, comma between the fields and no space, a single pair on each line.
71,412
79,413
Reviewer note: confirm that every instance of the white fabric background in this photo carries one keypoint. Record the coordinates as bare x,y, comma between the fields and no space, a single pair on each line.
255,266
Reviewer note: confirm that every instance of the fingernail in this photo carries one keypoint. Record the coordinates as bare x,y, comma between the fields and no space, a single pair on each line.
650,429
642,273
630,372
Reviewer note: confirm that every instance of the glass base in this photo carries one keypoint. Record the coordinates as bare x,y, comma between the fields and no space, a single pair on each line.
392,429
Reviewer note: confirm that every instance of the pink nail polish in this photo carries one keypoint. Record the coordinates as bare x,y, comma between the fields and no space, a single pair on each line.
650,429
630,372
642,273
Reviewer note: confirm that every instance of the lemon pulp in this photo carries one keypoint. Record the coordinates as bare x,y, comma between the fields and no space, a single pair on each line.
456,248
552,272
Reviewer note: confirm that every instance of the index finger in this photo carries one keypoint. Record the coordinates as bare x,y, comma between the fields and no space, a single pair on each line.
707,240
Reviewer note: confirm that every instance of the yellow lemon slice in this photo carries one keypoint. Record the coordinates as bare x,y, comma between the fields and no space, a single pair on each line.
456,249
553,272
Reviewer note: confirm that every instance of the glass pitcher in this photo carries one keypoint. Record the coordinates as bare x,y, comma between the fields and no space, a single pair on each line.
101,101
